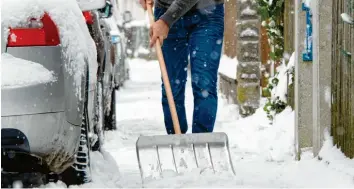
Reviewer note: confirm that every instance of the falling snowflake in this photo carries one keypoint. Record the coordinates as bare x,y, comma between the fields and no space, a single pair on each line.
205,93
214,55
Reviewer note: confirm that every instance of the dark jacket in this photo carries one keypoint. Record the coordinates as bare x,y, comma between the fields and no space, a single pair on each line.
177,8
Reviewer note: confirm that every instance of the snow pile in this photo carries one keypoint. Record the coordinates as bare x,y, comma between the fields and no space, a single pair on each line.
17,72
334,158
105,171
228,66
74,35
254,135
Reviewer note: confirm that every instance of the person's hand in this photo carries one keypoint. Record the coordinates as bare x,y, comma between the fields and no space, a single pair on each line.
144,3
158,30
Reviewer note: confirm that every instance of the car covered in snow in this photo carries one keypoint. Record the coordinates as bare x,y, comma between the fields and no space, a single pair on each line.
48,91
113,69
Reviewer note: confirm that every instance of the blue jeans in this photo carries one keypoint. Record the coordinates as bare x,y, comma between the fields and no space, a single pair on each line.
199,36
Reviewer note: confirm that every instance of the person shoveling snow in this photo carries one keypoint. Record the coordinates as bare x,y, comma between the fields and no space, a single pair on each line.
196,29
197,32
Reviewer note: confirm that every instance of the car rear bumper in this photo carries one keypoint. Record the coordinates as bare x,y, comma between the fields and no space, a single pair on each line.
49,135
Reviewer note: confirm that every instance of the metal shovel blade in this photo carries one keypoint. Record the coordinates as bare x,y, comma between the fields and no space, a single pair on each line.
168,155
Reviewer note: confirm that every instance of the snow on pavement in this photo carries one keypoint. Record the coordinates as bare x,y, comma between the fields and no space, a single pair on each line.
262,154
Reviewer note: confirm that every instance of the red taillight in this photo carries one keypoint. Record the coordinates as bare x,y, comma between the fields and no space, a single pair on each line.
88,17
37,33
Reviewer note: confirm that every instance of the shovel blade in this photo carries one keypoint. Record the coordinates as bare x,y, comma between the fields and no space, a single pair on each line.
164,156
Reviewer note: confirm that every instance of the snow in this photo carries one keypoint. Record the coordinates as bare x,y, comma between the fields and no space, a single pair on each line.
91,4
270,2
262,154
137,23
248,11
73,31
249,33
328,95
142,50
17,72
310,3
282,87
347,18
112,25
333,157
228,66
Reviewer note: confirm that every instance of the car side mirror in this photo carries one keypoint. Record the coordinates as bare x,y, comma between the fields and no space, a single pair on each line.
106,11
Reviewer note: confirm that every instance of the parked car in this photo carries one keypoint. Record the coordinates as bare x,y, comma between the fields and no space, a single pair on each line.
118,56
105,71
46,124
113,68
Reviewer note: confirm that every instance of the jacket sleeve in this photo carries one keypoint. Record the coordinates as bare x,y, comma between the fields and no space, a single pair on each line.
176,10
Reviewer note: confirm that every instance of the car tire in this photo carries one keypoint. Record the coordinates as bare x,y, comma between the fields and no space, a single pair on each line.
80,171
98,129
110,119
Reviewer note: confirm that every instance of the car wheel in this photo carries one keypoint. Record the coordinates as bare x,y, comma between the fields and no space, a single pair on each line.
98,129
80,171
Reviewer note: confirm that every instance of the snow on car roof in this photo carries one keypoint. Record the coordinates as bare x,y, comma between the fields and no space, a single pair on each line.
73,31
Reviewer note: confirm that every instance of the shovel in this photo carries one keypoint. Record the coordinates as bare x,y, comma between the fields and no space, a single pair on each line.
163,156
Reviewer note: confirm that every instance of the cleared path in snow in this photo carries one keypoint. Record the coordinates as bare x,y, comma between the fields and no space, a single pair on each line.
262,154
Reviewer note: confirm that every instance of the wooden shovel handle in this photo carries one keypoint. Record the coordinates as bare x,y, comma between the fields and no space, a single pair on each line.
166,81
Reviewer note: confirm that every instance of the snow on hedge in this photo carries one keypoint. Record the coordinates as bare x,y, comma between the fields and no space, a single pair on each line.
281,90
20,72
73,31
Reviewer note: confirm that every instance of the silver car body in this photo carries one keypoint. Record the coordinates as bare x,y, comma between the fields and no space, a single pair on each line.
49,114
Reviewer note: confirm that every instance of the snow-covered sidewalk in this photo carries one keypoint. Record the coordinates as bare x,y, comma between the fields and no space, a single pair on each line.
262,154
